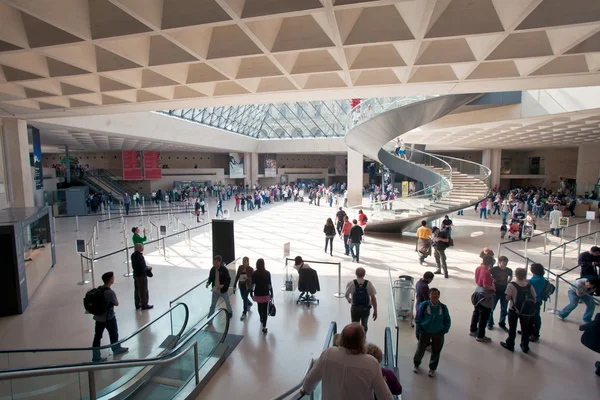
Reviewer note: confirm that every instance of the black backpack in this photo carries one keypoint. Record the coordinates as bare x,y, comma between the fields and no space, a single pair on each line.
547,291
524,304
94,301
361,294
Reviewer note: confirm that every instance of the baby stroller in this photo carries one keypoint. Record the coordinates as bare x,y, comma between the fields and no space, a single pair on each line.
404,298
514,230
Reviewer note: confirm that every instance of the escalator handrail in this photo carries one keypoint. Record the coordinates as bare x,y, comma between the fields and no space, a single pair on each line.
59,349
85,367
328,342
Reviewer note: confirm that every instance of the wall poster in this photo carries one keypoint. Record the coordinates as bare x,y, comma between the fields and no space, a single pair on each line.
38,172
404,188
132,165
270,165
236,165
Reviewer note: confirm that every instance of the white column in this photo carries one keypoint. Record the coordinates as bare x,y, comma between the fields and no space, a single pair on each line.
588,168
15,148
254,168
355,178
493,160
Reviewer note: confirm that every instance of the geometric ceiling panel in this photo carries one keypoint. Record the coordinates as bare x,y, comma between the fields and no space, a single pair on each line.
378,56
257,8
495,69
299,33
107,85
465,17
5,46
522,45
378,24
109,61
14,74
108,20
433,73
184,92
40,33
59,68
70,89
315,61
444,52
377,77
201,72
275,85
163,51
178,13
254,67
154,79
143,95
563,65
230,41
33,93
590,45
560,12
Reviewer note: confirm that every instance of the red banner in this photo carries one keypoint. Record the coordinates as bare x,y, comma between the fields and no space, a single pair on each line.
132,168
152,170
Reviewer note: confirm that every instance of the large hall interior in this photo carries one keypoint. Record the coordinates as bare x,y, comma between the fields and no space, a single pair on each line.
211,199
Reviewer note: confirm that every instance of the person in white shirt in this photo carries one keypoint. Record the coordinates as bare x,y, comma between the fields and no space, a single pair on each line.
554,221
346,372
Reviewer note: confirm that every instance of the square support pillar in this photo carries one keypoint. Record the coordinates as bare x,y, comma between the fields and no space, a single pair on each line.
355,178
15,148
493,160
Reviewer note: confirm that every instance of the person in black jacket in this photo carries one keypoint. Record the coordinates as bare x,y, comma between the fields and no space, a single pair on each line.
262,291
588,261
591,337
140,278
220,285
329,231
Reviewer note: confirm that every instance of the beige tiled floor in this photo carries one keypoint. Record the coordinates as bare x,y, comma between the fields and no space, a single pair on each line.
262,367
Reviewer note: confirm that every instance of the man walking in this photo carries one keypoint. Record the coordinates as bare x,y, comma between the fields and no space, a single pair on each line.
361,294
219,207
355,237
521,296
220,280
140,278
423,242
107,320
433,319
554,220
502,275
127,202
482,299
339,219
422,289
440,244
346,235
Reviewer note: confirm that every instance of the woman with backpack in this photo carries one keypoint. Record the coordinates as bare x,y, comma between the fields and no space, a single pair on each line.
262,291
329,231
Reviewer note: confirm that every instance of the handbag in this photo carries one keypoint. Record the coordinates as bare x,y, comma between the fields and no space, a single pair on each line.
149,273
272,310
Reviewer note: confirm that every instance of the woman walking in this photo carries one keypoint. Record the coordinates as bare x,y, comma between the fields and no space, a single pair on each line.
362,220
262,291
244,277
329,231
136,238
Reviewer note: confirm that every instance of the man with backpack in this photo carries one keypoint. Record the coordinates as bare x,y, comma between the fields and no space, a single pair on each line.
521,295
440,244
361,294
101,303
543,291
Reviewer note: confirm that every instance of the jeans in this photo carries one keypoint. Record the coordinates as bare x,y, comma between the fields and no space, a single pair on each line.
330,240
357,247
500,297
460,212
127,208
219,210
536,321
513,319
555,232
360,314
437,342
504,214
574,301
479,320
496,209
440,260
113,334
482,213
244,292
346,245
215,298
140,291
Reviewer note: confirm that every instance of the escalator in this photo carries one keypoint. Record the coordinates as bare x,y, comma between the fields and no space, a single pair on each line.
167,359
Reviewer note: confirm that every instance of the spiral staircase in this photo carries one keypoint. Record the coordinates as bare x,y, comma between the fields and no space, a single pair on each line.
449,184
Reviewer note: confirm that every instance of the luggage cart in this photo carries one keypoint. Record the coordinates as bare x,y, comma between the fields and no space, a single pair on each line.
404,298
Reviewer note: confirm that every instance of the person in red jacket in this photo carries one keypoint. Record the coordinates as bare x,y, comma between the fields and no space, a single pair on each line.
346,234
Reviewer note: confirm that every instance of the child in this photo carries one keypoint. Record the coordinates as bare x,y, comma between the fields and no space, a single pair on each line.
503,230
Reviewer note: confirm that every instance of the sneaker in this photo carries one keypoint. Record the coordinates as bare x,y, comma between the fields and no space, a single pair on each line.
534,339
524,349
446,276
484,339
503,344
503,327
438,272
490,327
250,305
559,317
120,350
415,369
431,373
243,317
264,330
148,307
474,334
101,359
230,314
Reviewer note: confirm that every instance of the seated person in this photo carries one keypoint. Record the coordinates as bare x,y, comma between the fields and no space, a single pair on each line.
308,281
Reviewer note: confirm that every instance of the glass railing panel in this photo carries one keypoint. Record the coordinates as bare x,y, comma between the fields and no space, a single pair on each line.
53,387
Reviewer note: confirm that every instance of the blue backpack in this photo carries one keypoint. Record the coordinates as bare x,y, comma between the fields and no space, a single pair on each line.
361,294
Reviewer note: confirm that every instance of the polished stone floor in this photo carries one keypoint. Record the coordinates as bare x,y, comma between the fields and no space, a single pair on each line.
263,366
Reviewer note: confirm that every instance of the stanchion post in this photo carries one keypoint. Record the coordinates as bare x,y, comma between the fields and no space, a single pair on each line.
339,293
499,248
576,230
129,273
589,226
93,273
596,239
550,261
580,240
97,228
556,309
525,254
564,257
77,223
83,281
545,242
164,249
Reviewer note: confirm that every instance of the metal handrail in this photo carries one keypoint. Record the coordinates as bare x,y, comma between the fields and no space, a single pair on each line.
44,350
